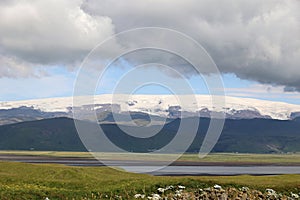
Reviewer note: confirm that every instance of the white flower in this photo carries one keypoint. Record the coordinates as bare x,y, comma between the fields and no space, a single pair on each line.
161,190
170,187
178,193
181,187
217,187
295,196
137,196
156,197
245,189
271,191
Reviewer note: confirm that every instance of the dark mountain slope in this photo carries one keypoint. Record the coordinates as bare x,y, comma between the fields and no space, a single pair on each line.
58,134
248,136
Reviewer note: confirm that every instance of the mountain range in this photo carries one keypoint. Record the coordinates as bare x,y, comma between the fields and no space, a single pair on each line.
159,107
251,125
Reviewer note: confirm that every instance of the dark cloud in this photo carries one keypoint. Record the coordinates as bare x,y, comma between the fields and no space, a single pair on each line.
290,89
256,40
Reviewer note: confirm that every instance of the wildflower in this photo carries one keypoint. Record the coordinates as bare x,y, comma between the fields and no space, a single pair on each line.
245,189
161,190
178,193
170,187
295,196
271,191
137,196
217,187
156,197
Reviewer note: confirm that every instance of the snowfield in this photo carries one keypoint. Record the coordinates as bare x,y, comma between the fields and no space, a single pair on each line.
161,104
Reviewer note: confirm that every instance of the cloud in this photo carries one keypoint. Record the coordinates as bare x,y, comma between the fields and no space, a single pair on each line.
264,91
289,89
14,67
48,32
256,40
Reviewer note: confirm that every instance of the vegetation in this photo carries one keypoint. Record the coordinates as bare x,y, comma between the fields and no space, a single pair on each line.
234,158
243,136
31,181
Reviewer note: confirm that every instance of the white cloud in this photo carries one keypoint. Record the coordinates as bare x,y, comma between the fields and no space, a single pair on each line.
15,67
49,32
263,91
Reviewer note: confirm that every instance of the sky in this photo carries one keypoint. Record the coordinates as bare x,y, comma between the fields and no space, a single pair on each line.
255,45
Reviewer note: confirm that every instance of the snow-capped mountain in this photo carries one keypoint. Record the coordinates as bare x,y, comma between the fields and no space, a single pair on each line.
158,105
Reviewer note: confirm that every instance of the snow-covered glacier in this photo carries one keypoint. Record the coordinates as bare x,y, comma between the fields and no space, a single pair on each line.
172,106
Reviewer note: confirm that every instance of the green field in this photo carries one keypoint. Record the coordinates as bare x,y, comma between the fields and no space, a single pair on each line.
38,181
284,159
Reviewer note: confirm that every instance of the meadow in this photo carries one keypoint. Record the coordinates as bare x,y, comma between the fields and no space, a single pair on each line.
38,181
235,158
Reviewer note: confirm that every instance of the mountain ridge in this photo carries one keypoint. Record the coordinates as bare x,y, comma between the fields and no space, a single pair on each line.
158,106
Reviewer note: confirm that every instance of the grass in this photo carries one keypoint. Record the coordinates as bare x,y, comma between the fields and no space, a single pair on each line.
49,153
32,181
293,158
243,157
